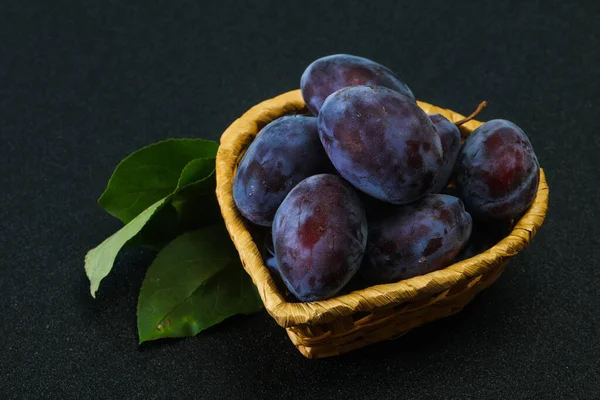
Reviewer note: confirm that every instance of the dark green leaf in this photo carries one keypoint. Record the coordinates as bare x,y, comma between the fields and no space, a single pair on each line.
198,188
198,211
192,206
99,261
196,171
195,282
162,228
152,173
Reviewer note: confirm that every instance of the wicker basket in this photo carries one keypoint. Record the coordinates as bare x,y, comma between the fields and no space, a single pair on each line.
350,321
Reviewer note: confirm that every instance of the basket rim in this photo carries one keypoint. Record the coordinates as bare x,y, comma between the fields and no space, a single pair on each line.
233,143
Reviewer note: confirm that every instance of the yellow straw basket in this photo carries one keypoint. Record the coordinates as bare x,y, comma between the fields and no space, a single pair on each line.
350,321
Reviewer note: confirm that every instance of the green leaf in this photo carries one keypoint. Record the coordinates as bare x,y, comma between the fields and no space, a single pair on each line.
196,171
191,207
198,179
99,261
152,173
185,206
162,228
195,282
198,211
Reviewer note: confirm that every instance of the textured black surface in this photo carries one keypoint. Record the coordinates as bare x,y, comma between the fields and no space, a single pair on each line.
84,83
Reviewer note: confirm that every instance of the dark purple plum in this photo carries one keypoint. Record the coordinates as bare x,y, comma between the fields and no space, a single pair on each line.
283,153
271,263
415,239
497,172
381,142
319,233
450,138
329,74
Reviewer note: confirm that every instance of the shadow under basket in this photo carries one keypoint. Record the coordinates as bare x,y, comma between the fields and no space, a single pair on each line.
350,321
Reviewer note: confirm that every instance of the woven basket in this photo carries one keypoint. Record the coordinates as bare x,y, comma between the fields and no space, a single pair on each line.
350,321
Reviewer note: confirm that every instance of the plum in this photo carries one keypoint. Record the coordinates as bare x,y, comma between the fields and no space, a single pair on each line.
319,235
283,153
381,142
497,172
450,138
415,239
329,74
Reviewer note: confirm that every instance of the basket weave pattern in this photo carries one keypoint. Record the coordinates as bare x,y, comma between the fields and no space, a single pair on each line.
382,312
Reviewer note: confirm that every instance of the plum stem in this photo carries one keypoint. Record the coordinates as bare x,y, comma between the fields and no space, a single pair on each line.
479,108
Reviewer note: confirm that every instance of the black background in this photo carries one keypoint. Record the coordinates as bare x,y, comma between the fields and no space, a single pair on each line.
84,83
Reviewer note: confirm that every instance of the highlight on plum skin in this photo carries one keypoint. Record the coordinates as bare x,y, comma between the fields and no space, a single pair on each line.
381,142
415,239
331,73
319,236
283,153
497,172
450,138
